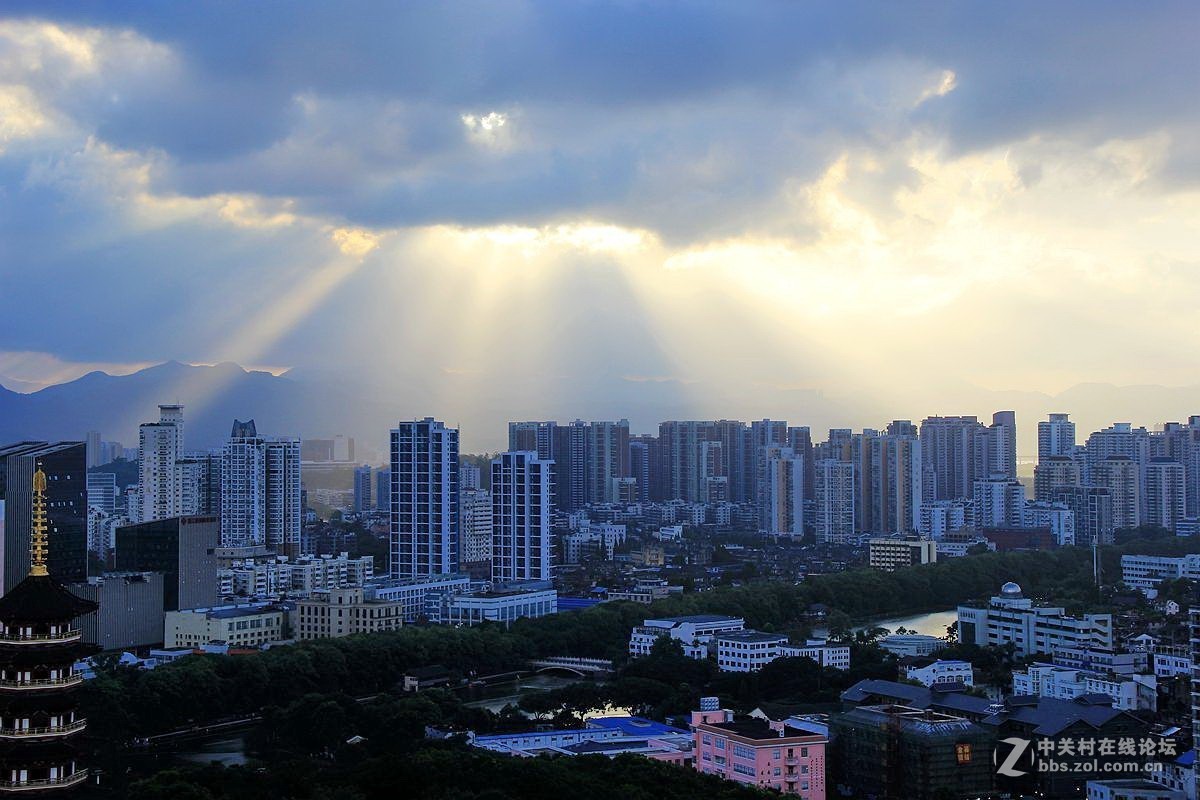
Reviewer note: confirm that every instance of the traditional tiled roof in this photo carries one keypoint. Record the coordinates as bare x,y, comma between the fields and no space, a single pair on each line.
40,598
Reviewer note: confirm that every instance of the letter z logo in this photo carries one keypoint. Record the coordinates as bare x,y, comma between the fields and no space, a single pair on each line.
1009,767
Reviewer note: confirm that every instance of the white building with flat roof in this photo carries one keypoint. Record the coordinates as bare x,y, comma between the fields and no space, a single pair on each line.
1146,572
929,672
504,607
246,625
892,553
1012,618
911,644
694,632
834,656
1128,692
748,651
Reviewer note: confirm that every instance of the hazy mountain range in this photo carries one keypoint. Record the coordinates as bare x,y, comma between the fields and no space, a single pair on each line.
318,405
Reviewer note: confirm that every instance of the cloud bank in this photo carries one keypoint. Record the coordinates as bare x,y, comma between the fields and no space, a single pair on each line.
524,204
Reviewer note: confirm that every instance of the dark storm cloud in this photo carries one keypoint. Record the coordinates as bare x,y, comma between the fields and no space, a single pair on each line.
698,121
390,80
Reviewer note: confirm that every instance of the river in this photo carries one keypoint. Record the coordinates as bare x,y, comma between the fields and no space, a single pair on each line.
501,695
228,752
932,623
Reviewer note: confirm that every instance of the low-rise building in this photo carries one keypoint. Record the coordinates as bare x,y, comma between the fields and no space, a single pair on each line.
694,632
645,592
1169,662
911,644
1011,618
246,625
1131,789
1146,572
891,553
499,605
834,656
280,576
960,544
422,597
1127,692
753,752
1178,774
1103,659
607,736
915,754
748,651
928,671
331,613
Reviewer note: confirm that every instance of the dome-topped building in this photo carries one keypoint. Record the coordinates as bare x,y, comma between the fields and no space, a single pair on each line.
39,644
1010,589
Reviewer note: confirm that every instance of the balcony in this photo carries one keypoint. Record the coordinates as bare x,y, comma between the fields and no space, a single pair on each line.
75,778
41,638
65,729
42,683
791,761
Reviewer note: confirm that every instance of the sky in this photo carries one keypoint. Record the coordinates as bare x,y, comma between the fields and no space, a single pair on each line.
735,208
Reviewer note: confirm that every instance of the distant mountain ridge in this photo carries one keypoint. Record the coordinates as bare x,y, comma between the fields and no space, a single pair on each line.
213,397
316,405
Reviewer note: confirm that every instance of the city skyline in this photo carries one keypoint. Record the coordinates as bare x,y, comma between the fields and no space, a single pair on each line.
859,206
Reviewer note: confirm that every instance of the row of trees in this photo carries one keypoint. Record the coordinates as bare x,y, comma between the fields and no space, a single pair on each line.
123,703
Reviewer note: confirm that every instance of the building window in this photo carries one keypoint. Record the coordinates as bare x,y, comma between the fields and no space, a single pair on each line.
962,752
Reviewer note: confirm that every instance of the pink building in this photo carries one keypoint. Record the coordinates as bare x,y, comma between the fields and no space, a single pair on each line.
751,751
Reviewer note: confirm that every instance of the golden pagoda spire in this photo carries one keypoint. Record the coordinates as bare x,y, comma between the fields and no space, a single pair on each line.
37,542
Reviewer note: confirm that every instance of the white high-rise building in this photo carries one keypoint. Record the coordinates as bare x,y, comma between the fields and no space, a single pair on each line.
102,491
199,484
1056,437
95,452
997,448
160,445
1119,439
1052,472
948,447
999,502
424,501
260,491
1165,499
475,525
1121,475
782,513
1058,517
522,492
833,485
939,517
469,477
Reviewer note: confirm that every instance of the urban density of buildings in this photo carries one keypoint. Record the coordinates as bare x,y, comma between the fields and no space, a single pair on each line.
219,551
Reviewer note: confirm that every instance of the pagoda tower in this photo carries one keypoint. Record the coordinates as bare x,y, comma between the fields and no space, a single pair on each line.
39,644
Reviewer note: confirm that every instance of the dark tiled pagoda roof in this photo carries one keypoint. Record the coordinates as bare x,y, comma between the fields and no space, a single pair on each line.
40,598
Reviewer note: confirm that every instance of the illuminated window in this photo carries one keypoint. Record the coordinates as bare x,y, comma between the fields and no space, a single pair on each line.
962,752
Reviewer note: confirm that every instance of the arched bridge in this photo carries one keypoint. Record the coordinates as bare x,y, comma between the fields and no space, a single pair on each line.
583,667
